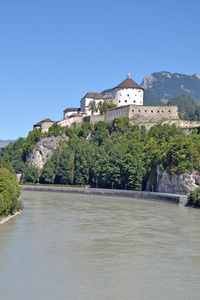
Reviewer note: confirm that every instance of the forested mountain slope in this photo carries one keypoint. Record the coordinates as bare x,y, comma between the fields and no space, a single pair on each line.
166,85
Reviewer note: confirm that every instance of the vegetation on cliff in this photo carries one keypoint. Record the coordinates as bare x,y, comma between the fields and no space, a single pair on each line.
107,155
194,198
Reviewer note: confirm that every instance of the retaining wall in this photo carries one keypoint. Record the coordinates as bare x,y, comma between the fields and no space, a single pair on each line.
160,197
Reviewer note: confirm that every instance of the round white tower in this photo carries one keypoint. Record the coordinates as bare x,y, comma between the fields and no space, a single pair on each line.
128,92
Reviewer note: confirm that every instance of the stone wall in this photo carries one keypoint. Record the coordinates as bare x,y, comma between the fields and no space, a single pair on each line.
71,120
139,114
139,195
188,126
119,112
94,119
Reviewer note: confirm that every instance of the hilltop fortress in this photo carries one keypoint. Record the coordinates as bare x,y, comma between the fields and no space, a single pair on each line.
128,97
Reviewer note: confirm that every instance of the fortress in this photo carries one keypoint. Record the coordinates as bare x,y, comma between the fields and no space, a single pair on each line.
128,97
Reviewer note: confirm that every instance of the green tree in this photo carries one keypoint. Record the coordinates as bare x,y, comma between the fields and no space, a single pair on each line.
9,192
48,173
103,107
93,107
31,140
14,153
31,175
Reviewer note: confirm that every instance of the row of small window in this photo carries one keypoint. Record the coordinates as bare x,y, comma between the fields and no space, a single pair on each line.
118,113
134,101
151,111
129,95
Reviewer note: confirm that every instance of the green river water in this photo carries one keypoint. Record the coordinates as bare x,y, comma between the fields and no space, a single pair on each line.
90,247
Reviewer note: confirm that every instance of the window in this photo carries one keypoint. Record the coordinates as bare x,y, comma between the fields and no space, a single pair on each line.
132,110
119,101
158,111
169,111
125,101
127,95
134,101
139,110
145,110
152,111
162,111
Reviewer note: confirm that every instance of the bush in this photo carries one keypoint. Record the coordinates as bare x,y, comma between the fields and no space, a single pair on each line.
31,140
194,198
9,192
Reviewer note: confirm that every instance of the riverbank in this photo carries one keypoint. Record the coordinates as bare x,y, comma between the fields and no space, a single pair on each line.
152,196
4,219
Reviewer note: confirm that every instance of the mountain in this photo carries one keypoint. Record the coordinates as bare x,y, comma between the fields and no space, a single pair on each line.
4,143
151,99
189,108
166,85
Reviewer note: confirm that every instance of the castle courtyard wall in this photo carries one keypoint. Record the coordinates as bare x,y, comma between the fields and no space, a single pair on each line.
71,120
140,114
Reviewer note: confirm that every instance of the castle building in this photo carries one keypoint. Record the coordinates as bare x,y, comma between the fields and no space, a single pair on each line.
70,111
44,125
87,99
128,96
128,92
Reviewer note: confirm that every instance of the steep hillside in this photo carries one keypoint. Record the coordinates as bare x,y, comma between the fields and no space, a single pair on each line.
151,99
166,85
187,106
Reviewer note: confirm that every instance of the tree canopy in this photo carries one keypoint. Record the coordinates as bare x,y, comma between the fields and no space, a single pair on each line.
115,154
9,190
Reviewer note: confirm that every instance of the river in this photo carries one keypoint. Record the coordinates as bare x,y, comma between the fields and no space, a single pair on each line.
90,247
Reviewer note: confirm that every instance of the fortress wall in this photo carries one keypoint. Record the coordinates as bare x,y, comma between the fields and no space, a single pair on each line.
94,119
153,113
190,125
119,112
140,113
68,122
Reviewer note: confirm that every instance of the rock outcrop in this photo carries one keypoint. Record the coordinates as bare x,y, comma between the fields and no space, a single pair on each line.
44,150
176,183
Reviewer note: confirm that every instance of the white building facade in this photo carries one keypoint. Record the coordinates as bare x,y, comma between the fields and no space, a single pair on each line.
128,92
90,97
70,111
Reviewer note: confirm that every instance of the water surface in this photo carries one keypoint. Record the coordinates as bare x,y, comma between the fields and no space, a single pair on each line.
92,247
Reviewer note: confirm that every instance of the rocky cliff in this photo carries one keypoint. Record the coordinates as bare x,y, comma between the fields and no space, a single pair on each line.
176,183
44,150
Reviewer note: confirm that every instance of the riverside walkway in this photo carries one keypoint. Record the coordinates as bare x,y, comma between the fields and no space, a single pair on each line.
152,196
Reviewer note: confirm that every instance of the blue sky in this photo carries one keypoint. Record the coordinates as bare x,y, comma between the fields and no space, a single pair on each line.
55,51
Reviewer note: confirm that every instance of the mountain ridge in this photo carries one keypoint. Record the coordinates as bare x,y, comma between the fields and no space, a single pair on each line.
166,85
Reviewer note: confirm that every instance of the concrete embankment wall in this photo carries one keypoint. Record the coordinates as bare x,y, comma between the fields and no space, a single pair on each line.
160,197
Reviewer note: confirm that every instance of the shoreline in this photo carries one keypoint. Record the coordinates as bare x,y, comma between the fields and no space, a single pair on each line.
140,195
5,219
